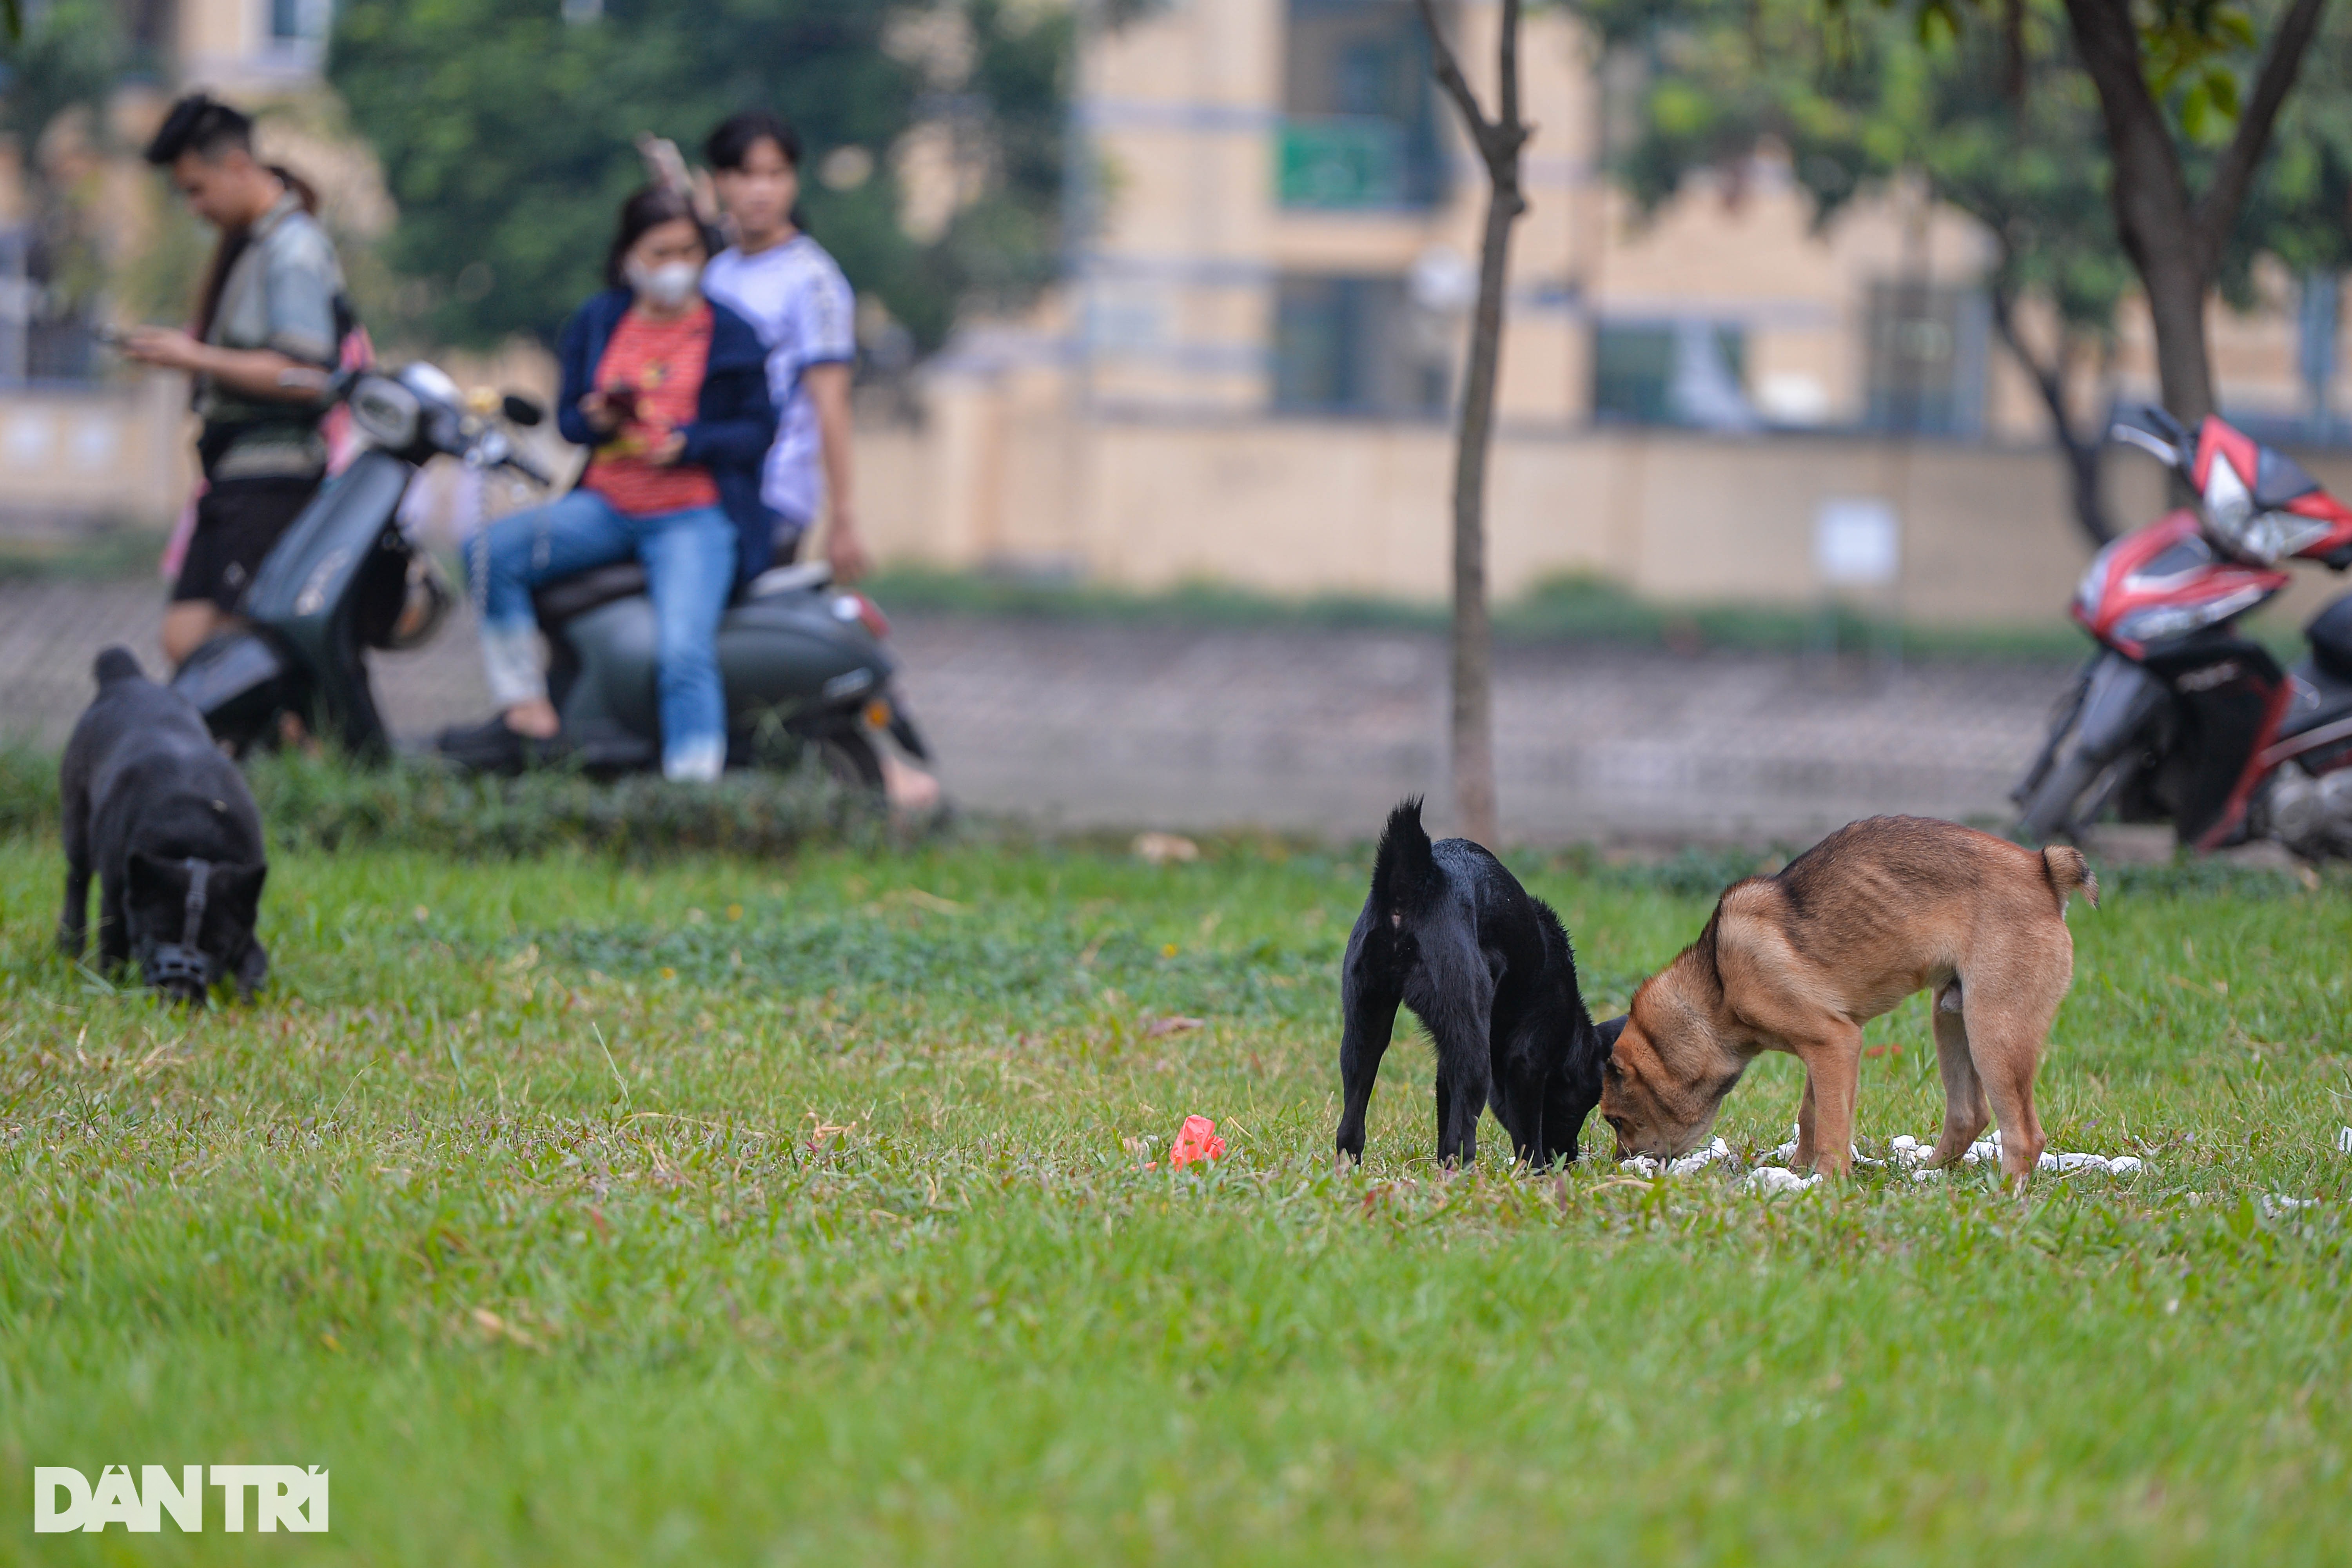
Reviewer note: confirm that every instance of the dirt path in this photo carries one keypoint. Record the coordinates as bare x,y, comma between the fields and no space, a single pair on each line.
1105,725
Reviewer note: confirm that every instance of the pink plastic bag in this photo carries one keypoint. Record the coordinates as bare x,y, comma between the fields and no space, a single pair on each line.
1197,1140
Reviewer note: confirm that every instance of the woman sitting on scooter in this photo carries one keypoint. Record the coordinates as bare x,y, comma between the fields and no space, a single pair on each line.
671,392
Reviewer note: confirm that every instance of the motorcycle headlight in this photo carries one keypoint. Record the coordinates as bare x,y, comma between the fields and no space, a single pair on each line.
2272,536
2253,533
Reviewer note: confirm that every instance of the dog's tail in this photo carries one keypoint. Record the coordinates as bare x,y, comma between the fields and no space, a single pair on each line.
2067,870
117,663
1405,873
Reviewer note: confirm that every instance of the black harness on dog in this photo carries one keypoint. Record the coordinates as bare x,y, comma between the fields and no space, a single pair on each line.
183,963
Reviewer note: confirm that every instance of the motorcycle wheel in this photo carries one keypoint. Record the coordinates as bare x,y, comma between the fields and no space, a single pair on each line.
850,759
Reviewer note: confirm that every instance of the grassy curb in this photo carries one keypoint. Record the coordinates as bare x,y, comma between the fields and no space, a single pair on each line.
1563,609
325,804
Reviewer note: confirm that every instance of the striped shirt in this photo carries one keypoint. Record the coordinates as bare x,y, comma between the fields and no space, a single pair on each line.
654,369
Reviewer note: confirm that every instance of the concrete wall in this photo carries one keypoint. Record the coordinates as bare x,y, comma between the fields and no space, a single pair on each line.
1003,472
1003,476
70,453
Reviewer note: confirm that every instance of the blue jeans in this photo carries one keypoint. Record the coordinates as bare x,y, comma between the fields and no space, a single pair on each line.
690,558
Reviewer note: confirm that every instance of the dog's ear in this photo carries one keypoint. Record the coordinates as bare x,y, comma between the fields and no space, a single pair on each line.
238,889
252,969
1610,1031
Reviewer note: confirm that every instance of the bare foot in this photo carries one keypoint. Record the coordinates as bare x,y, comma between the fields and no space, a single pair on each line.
910,791
536,718
295,736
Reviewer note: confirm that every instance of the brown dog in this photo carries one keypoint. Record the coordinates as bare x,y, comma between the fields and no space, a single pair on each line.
1800,960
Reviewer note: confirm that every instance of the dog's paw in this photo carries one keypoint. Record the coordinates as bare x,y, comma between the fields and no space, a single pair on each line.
252,971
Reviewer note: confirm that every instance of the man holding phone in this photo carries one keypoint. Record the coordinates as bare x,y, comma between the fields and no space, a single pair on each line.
269,327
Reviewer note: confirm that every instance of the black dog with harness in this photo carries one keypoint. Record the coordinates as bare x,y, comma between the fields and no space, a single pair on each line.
170,830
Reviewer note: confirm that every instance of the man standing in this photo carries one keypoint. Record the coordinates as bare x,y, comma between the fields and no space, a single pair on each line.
269,325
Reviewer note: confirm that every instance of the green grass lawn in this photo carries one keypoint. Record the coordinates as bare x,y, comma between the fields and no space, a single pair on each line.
716,1212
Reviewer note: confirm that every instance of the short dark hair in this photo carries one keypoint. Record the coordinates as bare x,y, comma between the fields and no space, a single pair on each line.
203,124
737,133
650,208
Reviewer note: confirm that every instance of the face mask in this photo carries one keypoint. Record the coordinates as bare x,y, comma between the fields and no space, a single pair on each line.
669,286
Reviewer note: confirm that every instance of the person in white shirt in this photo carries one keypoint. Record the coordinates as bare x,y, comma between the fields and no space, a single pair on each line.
793,291
795,295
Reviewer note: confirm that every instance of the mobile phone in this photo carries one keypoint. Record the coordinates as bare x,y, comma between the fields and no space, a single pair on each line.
109,337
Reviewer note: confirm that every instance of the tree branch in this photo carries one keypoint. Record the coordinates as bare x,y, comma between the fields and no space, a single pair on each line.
2150,193
2049,378
1509,121
1457,86
2217,211
2081,455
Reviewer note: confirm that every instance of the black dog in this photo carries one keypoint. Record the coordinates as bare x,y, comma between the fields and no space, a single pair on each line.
1451,934
172,831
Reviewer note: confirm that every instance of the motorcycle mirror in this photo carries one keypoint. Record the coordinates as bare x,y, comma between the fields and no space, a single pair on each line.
2133,436
2145,424
521,410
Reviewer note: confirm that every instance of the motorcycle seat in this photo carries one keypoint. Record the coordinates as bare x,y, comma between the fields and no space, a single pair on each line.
566,597
2330,632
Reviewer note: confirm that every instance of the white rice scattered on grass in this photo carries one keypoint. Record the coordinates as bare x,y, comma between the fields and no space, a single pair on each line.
1906,1153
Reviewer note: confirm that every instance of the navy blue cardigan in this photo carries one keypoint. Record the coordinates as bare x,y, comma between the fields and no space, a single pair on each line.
734,423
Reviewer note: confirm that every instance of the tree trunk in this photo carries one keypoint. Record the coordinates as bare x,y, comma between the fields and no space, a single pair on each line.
2176,308
1499,141
2174,243
2084,456
1474,642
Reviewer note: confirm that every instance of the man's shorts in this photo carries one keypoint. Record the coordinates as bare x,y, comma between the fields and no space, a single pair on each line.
238,521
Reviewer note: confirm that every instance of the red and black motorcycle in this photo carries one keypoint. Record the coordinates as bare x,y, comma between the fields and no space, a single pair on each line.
2179,718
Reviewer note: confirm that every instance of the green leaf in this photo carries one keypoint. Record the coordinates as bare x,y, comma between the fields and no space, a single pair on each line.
1677,109
2223,86
1938,28
2197,110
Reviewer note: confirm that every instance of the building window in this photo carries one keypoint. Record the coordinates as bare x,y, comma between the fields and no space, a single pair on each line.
1359,109
1358,345
1690,373
44,334
299,22
1925,374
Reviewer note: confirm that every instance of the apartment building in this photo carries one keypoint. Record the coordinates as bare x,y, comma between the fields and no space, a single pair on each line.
1285,221
1249,370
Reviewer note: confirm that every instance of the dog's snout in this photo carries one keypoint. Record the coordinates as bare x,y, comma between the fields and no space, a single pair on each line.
184,973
